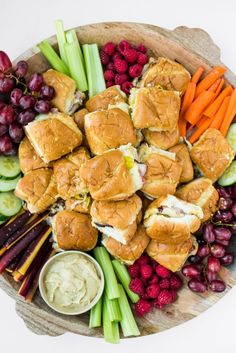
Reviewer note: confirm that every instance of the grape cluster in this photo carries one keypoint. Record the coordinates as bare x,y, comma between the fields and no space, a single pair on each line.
204,267
20,102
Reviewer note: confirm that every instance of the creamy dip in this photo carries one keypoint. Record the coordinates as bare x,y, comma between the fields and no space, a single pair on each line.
71,282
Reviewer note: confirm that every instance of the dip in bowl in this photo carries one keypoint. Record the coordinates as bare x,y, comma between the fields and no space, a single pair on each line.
71,282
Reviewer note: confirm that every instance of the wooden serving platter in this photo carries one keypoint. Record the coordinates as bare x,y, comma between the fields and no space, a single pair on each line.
190,47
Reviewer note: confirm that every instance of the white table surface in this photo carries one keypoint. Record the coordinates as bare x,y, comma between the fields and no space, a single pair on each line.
24,23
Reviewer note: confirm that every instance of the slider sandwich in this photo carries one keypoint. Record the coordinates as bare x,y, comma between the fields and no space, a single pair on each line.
110,97
163,171
79,203
117,219
28,158
79,117
162,139
67,99
183,157
171,220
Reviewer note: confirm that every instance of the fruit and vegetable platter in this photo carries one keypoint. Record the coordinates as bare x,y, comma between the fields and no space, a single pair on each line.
117,179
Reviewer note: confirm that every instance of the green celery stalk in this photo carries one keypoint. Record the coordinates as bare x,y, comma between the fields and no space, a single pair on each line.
71,36
113,310
110,329
53,58
96,82
111,285
128,323
95,318
61,39
124,277
76,66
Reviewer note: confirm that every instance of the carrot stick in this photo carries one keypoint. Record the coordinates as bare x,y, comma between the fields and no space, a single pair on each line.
182,123
198,73
230,113
222,81
210,78
194,112
213,108
201,121
215,85
195,136
218,118
188,97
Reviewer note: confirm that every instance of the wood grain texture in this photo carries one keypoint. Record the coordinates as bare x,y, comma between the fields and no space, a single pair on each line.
190,47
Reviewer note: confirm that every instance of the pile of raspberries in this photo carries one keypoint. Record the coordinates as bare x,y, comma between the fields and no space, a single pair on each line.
123,63
156,285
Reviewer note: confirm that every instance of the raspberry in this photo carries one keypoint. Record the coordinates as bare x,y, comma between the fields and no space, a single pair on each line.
154,279
131,55
117,55
110,83
142,307
110,66
174,295
146,271
175,282
162,271
104,57
158,305
153,290
143,260
126,87
164,283
142,59
109,75
109,48
120,78
136,286
142,48
123,45
145,296
121,66
134,270
164,297
135,70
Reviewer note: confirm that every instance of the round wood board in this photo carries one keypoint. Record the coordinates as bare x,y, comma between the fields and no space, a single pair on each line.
190,47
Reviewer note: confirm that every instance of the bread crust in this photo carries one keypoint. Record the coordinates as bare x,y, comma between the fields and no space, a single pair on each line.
28,158
111,96
183,157
162,139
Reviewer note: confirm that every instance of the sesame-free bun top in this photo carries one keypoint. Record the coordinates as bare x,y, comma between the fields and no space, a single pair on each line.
168,74
53,135
155,108
111,96
162,139
79,118
74,231
28,158
183,157
107,129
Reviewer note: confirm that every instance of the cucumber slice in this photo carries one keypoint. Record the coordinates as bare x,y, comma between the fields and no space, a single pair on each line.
229,176
9,204
9,166
231,136
8,184
3,218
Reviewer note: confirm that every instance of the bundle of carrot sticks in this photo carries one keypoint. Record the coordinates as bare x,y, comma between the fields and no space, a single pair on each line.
207,103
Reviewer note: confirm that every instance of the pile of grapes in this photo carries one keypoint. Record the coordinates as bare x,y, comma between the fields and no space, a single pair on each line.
20,102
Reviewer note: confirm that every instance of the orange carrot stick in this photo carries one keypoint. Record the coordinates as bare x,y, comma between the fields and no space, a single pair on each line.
201,121
182,123
188,97
198,73
220,86
210,78
218,118
213,108
215,85
230,113
199,105
195,136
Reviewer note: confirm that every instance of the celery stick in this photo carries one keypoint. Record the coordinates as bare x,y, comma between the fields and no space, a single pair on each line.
95,318
96,82
51,55
110,329
128,323
76,66
71,36
61,39
113,309
124,278
111,285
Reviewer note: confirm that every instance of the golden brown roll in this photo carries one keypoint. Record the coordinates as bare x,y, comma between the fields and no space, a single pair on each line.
111,96
172,256
155,108
79,118
74,231
202,193
107,129
67,174
171,220
28,158
53,135
66,99
80,204
38,189
130,252
162,139
183,157
168,74
212,154
114,175
163,171
117,219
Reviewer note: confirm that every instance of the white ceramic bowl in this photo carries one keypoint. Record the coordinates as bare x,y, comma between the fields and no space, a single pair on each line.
45,269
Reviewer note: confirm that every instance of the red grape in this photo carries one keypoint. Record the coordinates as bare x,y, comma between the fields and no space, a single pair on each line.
16,132
3,129
47,92
7,115
26,117
191,271
27,102
15,96
226,217
11,152
21,68
211,276
233,209
225,203
222,233
208,233
36,82
6,84
233,191
203,250
213,264
5,143
195,259
42,107
227,259
5,62
217,250
225,243
217,286
197,286
2,104
222,191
